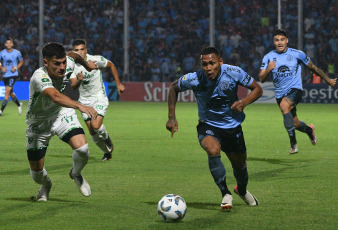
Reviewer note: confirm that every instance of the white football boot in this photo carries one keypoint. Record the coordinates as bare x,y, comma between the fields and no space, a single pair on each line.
248,198
20,109
83,185
227,202
43,194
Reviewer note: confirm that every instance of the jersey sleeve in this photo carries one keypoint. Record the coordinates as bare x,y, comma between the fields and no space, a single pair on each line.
300,55
19,56
188,81
243,78
265,62
41,81
101,61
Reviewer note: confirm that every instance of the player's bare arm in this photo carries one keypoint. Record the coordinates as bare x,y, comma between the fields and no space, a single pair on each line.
65,101
15,68
89,66
120,87
320,73
264,73
76,82
172,124
256,92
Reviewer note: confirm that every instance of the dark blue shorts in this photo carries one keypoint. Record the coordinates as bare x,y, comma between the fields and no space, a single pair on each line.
231,140
10,81
295,95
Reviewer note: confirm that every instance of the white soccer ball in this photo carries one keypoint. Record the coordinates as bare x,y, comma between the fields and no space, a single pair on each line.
172,208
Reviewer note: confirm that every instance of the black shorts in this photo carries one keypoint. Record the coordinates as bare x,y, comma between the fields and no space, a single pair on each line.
231,140
10,81
295,95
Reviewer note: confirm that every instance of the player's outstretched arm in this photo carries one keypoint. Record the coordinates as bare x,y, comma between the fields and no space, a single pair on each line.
172,124
89,66
264,73
120,87
320,73
65,101
256,92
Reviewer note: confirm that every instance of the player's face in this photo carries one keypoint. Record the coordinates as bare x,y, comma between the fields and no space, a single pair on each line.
9,44
211,65
280,42
81,49
56,67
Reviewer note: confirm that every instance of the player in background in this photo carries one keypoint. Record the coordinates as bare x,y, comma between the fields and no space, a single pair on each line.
220,117
93,93
285,66
11,61
50,112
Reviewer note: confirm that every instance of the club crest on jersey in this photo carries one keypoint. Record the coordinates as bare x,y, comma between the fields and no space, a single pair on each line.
289,57
184,78
224,85
209,132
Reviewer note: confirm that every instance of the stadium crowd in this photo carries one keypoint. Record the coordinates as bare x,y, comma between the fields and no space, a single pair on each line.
166,35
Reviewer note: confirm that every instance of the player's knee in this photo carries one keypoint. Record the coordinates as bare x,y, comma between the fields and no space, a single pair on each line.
83,151
212,150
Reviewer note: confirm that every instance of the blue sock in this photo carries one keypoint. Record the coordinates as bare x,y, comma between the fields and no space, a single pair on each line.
290,127
16,101
242,178
4,104
218,173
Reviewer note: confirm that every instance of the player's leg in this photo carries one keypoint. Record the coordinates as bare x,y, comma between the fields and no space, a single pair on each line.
69,130
6,98
36,151
286,105
235,150
213,148
302,127
16,101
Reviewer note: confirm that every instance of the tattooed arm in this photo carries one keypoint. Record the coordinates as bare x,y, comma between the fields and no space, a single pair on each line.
321,74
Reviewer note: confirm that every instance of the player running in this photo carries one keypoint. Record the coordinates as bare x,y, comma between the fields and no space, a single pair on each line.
220,117
285,65
10,62
51,113
93,93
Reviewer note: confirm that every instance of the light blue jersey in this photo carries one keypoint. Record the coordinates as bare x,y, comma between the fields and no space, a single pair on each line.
10,59
287,73
215,97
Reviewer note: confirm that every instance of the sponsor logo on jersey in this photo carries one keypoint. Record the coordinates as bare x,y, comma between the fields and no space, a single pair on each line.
233,69
45,80
283,71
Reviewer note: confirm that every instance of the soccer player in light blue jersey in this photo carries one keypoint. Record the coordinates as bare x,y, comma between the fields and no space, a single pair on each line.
11,60
284,64
220,117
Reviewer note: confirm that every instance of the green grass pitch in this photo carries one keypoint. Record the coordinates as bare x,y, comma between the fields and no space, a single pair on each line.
295,191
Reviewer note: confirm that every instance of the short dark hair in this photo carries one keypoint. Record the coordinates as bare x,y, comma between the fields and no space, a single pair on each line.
9,39
78,42
52,49
280,32
210,50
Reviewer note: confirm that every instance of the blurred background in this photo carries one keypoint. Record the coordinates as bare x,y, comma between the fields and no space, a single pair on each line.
166,36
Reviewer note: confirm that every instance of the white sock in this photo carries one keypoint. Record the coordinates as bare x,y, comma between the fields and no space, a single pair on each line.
102,132
80,159
40,177
100,142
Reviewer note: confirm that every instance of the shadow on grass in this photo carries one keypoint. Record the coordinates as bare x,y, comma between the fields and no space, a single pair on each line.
286,162
33,199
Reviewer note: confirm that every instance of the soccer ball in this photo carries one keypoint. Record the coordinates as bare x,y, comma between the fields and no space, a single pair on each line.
172,208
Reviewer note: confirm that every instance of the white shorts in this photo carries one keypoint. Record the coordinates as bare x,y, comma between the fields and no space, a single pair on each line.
39,133
100,105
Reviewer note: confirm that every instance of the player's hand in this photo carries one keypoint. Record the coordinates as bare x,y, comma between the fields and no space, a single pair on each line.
332,82
91,66
13,69
4,69
238,106
90,111
120,88
79,76
271,65
172,126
